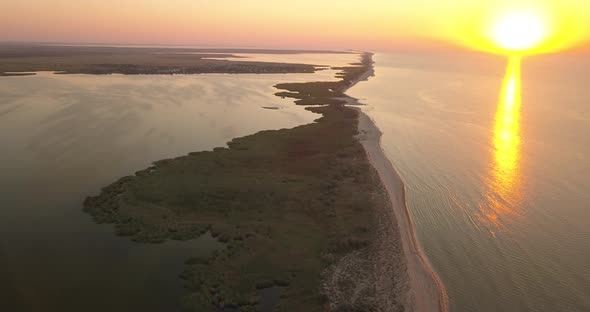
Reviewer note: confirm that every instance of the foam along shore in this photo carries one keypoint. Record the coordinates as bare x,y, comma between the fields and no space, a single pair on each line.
427,292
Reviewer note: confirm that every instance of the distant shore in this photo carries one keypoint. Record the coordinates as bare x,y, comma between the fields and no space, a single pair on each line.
20,60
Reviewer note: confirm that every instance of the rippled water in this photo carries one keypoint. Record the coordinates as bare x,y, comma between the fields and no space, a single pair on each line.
65,136
494,155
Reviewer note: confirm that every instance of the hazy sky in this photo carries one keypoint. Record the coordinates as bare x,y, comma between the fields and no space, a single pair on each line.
368,24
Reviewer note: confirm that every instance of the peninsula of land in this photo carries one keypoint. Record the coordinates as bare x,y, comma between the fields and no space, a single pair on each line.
301,211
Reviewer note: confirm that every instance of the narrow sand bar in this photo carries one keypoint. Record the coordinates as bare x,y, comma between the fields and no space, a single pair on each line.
427,292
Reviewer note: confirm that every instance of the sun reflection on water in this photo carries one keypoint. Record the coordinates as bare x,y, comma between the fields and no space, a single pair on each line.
504,185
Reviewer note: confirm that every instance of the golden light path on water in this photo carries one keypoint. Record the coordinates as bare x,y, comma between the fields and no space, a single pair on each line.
504,182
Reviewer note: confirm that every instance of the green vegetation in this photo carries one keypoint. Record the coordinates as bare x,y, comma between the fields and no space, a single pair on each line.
281,200
297,208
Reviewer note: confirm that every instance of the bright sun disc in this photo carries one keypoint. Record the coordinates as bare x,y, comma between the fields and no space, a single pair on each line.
519,31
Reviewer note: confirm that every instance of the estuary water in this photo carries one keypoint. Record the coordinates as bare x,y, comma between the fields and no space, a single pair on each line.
494,155
63,137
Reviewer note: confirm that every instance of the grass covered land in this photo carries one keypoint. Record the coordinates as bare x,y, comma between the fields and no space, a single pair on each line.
18,59
301,209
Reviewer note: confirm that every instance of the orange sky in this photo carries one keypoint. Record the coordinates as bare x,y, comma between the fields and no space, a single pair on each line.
368,24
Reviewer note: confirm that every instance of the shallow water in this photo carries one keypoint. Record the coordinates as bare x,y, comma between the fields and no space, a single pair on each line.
64,137
496,167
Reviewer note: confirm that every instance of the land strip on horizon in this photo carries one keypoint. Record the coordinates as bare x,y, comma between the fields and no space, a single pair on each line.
21,59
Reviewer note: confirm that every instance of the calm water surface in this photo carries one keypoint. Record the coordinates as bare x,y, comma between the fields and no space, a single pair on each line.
494,154
64,137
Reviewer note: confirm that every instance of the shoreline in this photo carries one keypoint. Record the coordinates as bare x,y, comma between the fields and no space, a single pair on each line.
424,281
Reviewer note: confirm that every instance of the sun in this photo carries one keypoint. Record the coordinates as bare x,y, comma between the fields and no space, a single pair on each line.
519,31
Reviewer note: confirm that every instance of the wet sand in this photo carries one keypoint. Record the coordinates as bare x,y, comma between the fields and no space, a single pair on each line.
427,292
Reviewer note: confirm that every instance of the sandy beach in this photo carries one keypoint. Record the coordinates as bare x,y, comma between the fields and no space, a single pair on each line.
427,292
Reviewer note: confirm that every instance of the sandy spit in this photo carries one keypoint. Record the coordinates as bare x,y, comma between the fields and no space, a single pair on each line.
427,292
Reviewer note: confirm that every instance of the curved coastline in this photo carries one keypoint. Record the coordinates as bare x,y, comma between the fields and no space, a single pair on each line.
425,282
